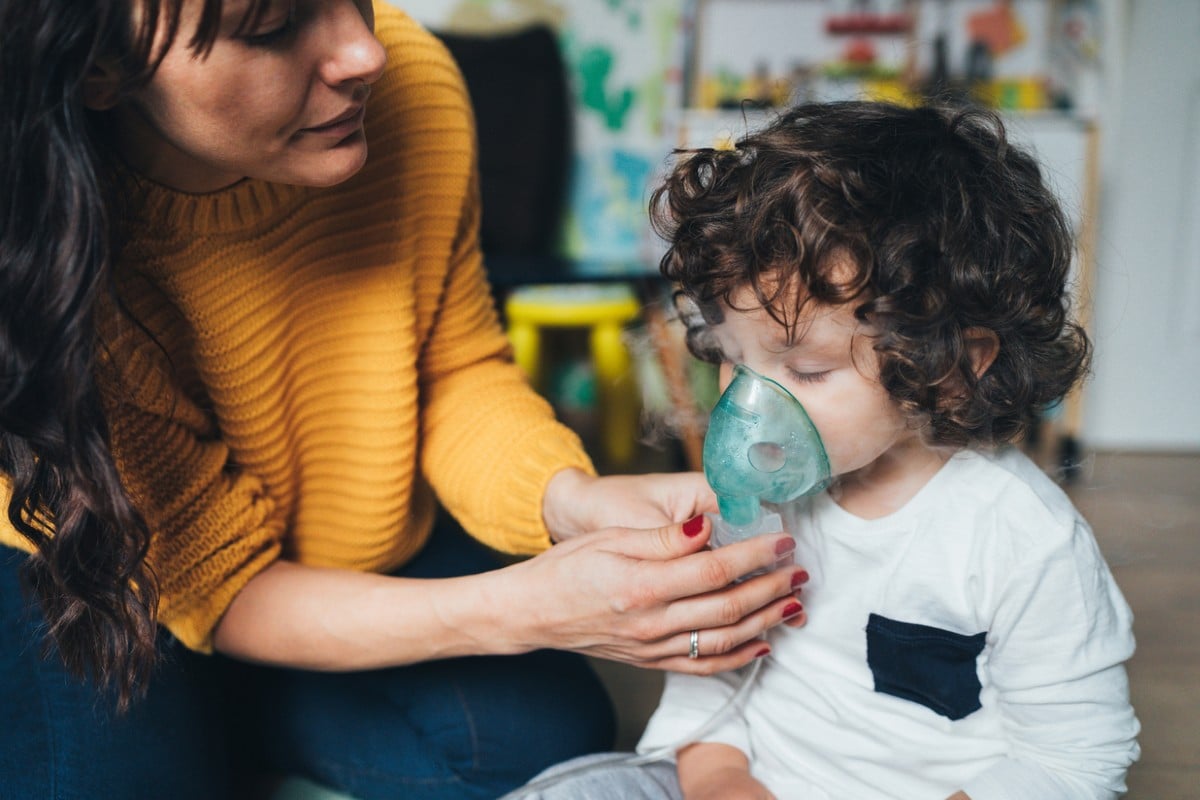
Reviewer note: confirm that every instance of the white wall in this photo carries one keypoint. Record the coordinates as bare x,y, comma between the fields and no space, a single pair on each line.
1146,391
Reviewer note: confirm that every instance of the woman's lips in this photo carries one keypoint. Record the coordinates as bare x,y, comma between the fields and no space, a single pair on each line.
341,127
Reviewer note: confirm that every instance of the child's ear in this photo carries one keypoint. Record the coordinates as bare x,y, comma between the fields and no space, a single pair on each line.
101,87
983,345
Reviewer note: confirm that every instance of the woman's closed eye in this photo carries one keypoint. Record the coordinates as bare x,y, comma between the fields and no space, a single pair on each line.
276,35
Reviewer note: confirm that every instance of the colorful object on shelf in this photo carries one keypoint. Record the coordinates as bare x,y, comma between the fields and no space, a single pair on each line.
998,28
890,91
866,22
859,51
1018,94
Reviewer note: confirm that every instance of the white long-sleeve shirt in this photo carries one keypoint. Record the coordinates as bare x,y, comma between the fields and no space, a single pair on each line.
972,640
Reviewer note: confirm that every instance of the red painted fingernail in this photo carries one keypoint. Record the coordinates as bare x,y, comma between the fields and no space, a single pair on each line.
799,578
785,546
764,652
792,609
694,525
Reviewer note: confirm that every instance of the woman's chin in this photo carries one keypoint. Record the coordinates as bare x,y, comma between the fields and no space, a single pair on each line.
334,166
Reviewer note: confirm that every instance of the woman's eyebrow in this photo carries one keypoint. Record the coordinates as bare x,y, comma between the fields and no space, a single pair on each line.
239,15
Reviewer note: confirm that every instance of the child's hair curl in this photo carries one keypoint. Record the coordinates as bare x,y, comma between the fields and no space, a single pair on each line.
947,228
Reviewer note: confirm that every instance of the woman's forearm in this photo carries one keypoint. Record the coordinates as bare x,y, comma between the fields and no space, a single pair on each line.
624,594
336,619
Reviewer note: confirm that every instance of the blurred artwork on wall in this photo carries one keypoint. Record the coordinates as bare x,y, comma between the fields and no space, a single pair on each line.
624,59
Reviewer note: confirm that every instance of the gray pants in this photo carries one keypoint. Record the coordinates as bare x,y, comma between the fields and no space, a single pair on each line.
605,781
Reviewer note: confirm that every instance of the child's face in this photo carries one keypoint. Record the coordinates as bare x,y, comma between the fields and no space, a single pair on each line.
831,369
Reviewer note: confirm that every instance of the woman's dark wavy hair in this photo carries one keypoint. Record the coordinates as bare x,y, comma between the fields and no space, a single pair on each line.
59,217
947,225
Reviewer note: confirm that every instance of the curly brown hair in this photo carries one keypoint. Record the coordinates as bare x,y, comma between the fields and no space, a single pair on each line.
948,228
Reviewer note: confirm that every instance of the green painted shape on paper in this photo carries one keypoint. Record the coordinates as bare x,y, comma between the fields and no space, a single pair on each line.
595,68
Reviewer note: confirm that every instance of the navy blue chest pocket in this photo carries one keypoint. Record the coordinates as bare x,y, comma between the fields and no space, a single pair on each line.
926,665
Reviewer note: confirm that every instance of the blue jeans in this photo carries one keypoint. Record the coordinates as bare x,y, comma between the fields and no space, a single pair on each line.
457,728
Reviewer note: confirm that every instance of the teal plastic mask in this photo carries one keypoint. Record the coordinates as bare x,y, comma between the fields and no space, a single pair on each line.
760,446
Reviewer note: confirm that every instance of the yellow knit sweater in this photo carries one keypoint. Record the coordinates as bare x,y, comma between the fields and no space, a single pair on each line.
323,361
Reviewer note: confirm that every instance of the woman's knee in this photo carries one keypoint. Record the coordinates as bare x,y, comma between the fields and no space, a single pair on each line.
554,708
541,709
462,728
497,721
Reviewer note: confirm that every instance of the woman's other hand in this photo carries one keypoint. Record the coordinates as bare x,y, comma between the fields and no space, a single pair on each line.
636,595
576,502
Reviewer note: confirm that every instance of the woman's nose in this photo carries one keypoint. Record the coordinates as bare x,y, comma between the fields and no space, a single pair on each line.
353,53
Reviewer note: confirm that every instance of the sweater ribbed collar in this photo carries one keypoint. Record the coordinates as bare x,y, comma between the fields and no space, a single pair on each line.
162,212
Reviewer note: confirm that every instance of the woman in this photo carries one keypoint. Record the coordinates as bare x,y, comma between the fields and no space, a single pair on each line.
240,361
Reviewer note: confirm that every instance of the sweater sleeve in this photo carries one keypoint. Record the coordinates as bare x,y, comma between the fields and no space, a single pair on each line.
490,443
1063,633
210,522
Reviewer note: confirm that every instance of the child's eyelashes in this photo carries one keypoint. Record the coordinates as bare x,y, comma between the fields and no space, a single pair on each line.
808,377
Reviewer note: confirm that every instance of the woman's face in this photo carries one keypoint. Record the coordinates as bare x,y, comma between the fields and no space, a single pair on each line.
283,101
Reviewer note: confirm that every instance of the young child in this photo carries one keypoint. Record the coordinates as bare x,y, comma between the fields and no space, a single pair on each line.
902,272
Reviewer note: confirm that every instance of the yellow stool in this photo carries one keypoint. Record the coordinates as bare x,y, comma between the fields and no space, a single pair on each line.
605,309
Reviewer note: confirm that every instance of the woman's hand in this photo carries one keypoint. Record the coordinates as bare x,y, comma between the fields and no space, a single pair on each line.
625,594
576,502
636,595
711,771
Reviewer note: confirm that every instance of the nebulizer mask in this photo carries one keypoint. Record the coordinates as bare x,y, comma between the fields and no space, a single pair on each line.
761,447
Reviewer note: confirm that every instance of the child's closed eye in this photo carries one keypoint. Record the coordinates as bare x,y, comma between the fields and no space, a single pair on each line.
809,376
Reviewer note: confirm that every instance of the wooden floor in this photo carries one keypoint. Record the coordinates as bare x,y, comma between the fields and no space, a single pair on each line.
1145,510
